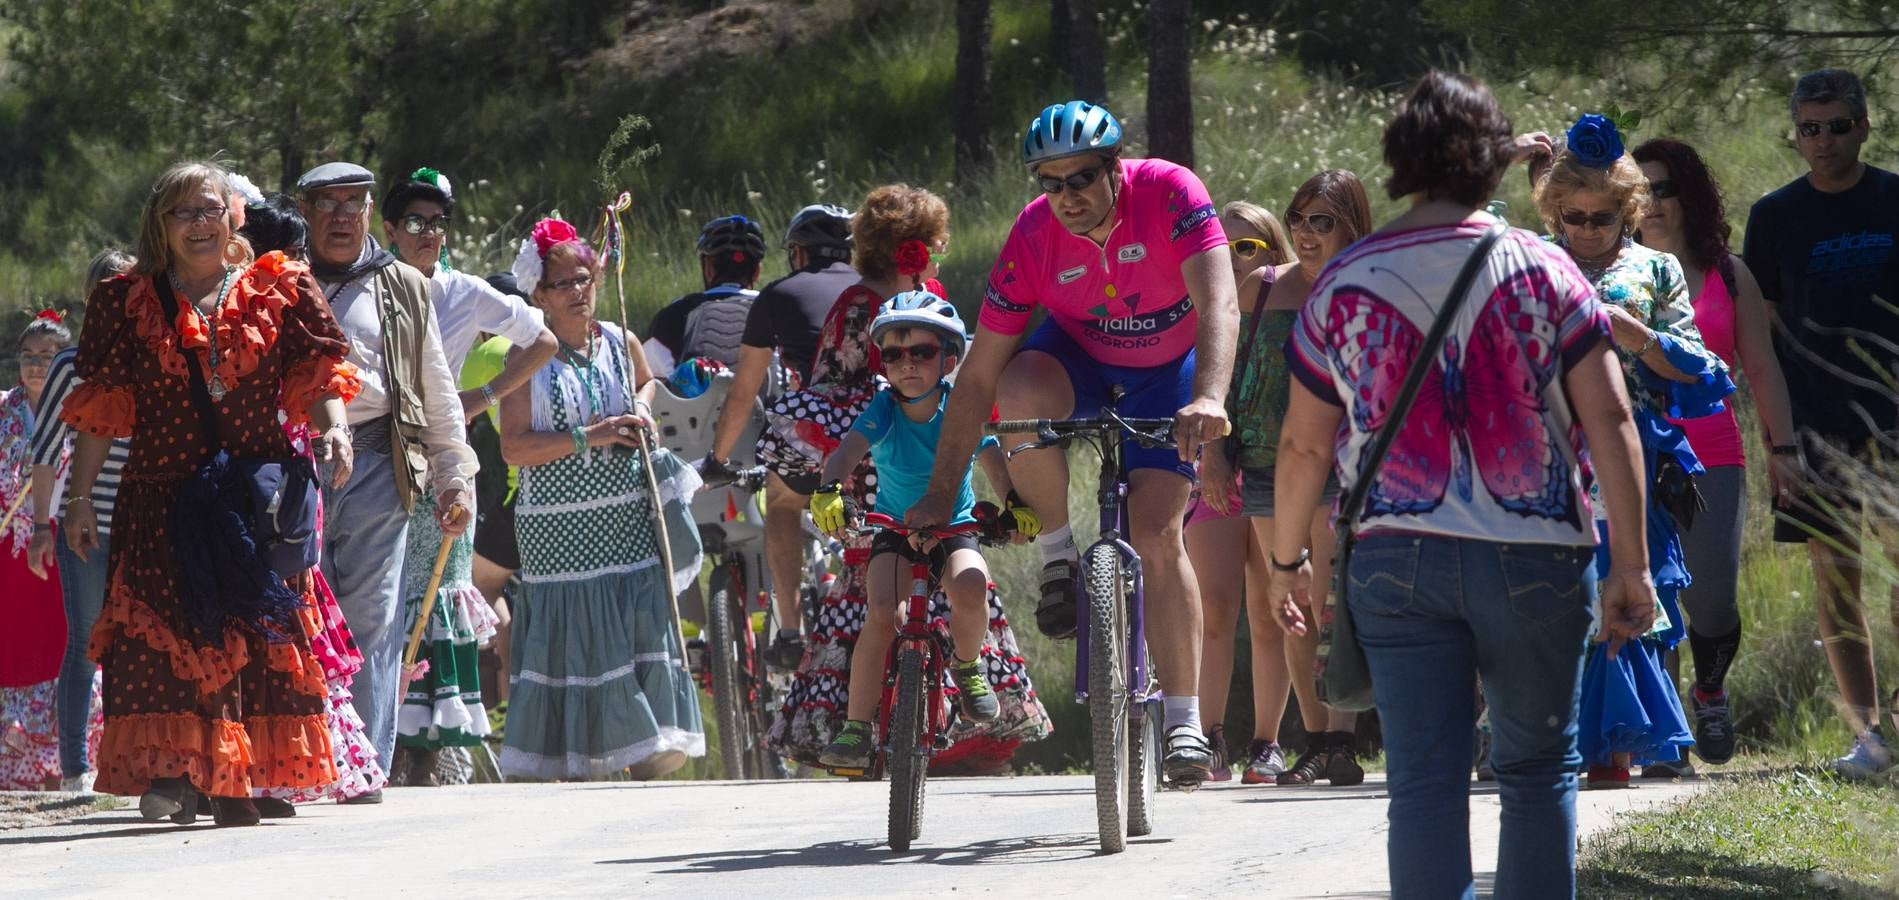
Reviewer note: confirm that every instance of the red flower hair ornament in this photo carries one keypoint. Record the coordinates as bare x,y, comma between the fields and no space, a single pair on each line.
912,258
547,234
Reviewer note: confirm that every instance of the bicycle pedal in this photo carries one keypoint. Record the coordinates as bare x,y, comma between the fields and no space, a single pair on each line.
940,742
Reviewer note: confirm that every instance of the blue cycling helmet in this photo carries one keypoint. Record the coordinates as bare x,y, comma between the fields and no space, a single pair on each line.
1070,129
922,309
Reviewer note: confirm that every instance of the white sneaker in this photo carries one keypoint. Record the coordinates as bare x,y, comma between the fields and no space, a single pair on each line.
1870,757
78,784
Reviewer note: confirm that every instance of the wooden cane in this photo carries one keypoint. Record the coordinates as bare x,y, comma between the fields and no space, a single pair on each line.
422,621
665,544
13,509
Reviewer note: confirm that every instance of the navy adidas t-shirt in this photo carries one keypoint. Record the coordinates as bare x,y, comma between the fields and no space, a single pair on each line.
1823,258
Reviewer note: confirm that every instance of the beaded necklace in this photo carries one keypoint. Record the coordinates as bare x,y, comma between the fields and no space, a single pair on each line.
585,373
216,388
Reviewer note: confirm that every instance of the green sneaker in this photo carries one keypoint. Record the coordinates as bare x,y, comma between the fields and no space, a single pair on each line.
973,695
850,749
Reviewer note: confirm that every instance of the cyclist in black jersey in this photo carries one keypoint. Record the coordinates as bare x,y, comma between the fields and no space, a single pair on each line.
708,324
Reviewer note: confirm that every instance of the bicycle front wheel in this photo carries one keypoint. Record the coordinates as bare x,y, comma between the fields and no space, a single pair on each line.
1108,692
909,753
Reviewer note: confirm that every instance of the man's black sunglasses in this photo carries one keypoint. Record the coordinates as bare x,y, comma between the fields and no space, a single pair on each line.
1077,182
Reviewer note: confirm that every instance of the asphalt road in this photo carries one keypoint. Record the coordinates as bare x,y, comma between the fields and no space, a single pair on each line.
1028,836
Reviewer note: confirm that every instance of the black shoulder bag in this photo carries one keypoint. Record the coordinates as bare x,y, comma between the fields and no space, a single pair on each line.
241,528
1345,679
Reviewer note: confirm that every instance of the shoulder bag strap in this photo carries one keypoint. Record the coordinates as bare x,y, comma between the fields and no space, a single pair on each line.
200,395
1413,380
1259,306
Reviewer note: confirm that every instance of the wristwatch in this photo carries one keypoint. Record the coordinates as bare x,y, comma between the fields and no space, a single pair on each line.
1785,450
1304,555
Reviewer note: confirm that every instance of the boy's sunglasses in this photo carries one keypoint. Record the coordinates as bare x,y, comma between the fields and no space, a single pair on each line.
1320,223
919,352
415,224
1664,189
1077,182
1247,248
1575,219
1834,127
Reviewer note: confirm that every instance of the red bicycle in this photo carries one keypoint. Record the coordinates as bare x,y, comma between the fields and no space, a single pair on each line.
913,715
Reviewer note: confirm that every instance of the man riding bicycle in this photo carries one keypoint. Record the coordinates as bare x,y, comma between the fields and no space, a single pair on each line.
1129,259
708,324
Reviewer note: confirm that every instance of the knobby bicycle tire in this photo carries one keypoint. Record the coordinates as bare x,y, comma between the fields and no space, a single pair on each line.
1144,764
908,755
729,703
1107,692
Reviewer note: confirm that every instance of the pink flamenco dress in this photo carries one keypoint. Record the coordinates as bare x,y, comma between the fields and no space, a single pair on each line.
358,769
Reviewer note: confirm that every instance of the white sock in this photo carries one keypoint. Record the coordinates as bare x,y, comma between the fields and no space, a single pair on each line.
1181,711
1057,544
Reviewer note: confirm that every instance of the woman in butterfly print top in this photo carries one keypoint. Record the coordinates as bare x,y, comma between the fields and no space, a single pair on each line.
1475,552
1630,711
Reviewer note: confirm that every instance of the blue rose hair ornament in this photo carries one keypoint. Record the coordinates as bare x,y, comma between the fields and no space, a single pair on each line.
1595,141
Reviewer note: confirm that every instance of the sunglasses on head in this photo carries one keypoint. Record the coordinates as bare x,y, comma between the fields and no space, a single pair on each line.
1834,127
1247,248
1319,223
414,224
1575,219
922,353
1078,182
1664,189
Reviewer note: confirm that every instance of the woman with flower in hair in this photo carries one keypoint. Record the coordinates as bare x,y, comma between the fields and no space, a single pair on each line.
32,620
898,234
212,689
1593,196
598,683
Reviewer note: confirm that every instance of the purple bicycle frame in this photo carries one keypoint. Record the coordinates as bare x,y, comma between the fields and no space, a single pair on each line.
1112,498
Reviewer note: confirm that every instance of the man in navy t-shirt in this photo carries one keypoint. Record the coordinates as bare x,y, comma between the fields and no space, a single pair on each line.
1823,248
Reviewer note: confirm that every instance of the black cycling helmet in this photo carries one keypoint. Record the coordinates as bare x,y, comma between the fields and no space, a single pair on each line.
732,234
822,229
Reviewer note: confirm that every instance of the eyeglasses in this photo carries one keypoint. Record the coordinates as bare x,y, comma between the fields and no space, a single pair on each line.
1835,127
576,283
1664,189
331,206
415,224
917,352
36,360
1077,182
190,214
1246,248
1319,223
1575,219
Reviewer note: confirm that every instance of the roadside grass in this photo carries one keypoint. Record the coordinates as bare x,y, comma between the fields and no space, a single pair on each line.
1779,828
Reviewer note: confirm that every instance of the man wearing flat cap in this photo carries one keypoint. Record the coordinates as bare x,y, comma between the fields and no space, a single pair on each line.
406,428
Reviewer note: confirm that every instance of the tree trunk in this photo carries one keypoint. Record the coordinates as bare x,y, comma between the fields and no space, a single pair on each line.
1170,81
972,102
1061,34
1088,53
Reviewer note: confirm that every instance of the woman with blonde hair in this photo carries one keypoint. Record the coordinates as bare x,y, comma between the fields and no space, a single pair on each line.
1593,196
898,235
211,687
1215,538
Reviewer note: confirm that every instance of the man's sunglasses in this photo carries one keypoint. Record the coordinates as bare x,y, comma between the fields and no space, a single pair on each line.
1077,182
1319,223
414,224
1247,248
1575,219
918,352
331,206
1664,189
1835,127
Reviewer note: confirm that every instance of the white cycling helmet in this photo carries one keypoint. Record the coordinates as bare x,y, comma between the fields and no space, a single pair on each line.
922,309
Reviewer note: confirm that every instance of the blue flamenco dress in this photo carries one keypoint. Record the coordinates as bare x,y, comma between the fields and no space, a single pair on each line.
1629,703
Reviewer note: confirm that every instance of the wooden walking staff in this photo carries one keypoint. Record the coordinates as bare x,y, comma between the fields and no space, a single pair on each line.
13,509
422,621
665,544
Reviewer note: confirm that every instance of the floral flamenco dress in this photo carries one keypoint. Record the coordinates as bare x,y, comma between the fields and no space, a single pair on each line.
806,425
358,769
442,707
597,683
1629,703
243,707
32,624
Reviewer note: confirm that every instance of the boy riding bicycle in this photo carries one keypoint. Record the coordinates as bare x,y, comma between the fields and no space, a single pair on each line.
921,338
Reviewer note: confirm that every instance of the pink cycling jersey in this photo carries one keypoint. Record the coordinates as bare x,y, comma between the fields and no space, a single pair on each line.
1126,302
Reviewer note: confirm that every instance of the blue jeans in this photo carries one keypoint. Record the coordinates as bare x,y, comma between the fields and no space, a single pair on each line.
365,531
1433,613
82,585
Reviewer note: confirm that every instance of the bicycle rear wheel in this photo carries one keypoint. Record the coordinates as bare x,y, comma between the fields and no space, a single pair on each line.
1144,766
909,753
1108,692
725,645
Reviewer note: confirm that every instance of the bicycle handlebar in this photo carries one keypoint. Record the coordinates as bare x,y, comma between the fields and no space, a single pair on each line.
1077,426
881,522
